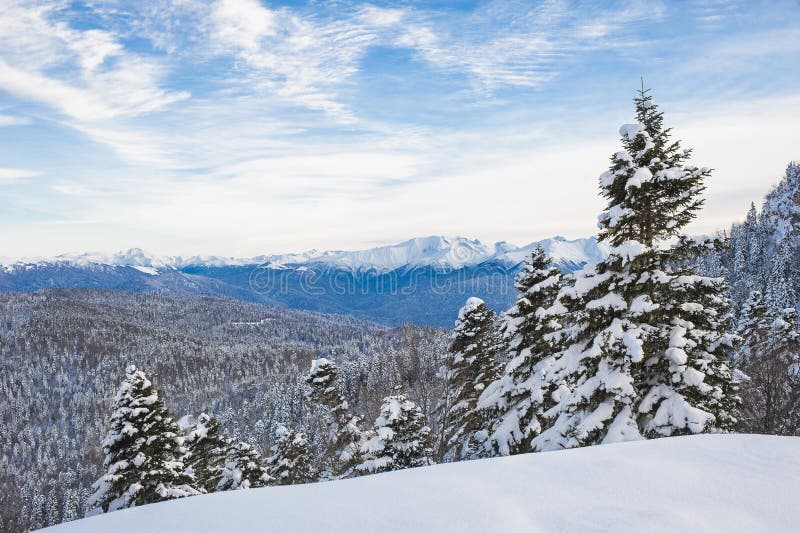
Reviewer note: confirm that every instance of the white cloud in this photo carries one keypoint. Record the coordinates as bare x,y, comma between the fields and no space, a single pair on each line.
8,120
94,47
309,61
517,44
33,45
65,98
733,56
243,23
296,58
493,184
13,175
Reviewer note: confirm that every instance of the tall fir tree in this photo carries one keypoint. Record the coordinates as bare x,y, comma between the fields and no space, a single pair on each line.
648,343
143,452
770,358
517,399
207,451
401,438
290,462
472,366
345,434
244,469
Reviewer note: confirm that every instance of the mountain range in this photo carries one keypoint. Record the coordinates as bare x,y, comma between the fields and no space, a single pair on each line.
422,280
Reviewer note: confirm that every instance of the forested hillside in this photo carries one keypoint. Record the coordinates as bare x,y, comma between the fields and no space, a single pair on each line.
763,252
64,352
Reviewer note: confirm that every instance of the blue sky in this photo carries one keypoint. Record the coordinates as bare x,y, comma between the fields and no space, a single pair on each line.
241,127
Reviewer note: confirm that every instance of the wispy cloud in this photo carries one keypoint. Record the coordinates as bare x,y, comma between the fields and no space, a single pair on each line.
86,75
13,175
311,58
10,120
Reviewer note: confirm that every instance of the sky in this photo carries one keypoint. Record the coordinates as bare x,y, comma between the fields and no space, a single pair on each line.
246,127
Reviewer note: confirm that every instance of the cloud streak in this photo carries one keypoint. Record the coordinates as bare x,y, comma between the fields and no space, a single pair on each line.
13,175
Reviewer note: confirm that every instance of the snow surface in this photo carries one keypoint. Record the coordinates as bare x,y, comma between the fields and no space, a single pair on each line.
729,483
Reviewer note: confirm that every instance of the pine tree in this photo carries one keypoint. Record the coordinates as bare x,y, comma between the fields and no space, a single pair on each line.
143,452
472,366
345,434
401,438
207,451
244,469
519,397
290,462
648,340
770,358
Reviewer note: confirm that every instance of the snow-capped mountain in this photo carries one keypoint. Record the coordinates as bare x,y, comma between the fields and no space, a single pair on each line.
423,280
435,251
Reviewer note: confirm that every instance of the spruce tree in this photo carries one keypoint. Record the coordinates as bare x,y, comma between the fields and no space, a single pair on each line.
770,358
207,451
244,469
648,338
290,462
143,453
401,438
472,366
519,397
690,388
345,434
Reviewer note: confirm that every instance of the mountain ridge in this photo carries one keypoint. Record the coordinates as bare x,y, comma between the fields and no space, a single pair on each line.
435,250
424,280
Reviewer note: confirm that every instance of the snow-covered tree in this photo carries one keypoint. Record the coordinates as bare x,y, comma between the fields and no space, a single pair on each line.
401,438
290,462
781,211
244,469
764,251
647,337
207,451
345,434
472,366
143,452
780,286
517,399
691,388
770,358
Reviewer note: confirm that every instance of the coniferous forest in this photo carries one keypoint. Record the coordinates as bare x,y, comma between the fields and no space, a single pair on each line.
111,400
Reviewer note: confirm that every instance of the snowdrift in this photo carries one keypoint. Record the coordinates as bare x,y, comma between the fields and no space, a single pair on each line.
700,483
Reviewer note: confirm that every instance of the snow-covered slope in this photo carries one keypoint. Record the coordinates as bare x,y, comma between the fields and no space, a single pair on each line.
746,483
452,252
